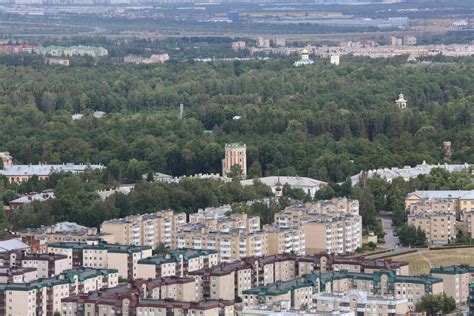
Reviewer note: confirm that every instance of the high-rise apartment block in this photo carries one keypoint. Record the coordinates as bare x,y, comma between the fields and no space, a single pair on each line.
284,240
232,245
334,226
144,230
235,155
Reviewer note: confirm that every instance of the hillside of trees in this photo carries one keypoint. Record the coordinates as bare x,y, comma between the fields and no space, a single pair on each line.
319,121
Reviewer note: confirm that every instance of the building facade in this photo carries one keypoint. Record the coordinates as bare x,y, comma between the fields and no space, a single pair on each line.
144,230
235,155
100,255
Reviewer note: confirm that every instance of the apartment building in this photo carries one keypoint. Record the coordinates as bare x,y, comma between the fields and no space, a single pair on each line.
440,227
334,226
146,229
18,275
101,255
381,283
216,221
176,263
359,303
46,264
456,280
463,201
228,280
43,296
323,262
430,205
467,222
298,292
232,244
163,296
60,232
284,240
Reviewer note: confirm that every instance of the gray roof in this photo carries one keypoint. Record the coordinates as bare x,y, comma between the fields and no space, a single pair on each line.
408,171
444,194
294,182
28,198
12,244
45,170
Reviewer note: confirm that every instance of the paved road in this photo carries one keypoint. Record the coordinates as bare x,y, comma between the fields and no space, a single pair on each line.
391,241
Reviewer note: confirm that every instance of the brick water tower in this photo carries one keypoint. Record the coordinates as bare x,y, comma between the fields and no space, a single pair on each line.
235,154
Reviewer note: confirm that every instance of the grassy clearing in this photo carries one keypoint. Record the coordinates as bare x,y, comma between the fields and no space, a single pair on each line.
420,261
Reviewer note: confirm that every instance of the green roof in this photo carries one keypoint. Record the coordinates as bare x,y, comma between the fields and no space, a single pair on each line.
64,278
174,256
235,145
455,269
281,287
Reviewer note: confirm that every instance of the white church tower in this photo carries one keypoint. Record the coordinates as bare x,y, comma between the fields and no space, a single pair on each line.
401,102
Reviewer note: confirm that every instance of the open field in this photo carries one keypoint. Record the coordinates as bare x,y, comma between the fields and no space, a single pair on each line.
420,262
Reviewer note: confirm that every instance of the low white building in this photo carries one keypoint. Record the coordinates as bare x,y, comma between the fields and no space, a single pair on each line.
308,185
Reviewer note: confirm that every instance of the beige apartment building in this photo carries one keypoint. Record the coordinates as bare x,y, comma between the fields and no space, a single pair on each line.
43,296
216,221
338,235
467,222
46,265
232,245
298,292
382,283
60,232
144,230
430,205
334,226
176,263
100,255
463,201
456,281
284,240
163,296
440,227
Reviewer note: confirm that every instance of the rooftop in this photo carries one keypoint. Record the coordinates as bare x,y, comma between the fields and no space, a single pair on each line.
281,287
455,269
100,246
294,182
12,244
45,170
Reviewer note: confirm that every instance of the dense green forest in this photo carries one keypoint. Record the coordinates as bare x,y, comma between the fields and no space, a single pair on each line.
320,121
